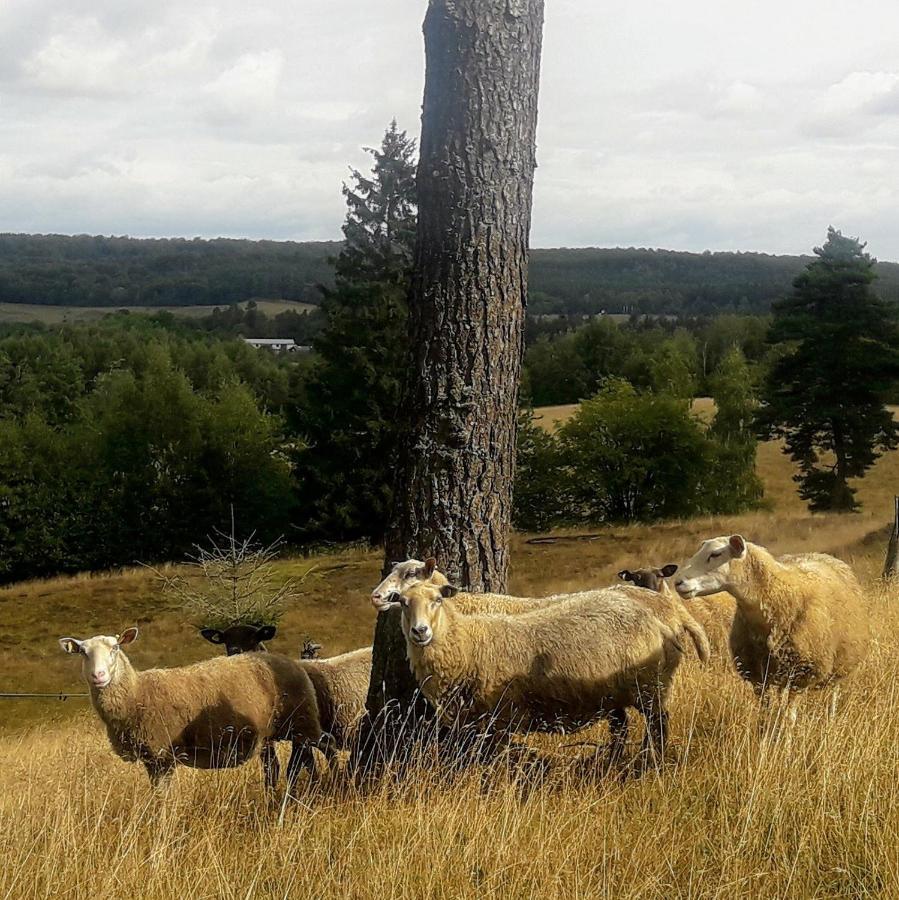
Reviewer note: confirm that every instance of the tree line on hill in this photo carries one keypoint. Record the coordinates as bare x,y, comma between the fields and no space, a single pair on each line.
119,271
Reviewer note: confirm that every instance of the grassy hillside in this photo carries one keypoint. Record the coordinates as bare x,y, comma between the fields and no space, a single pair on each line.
815,815
729,816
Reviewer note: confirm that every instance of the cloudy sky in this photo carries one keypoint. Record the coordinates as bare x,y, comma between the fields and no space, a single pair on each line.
702,124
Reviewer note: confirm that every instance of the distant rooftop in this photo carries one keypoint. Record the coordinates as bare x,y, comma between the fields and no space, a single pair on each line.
288,345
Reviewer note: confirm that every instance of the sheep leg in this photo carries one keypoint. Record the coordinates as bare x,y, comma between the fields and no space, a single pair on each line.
301,757
160,774
270,766
656,733
617,733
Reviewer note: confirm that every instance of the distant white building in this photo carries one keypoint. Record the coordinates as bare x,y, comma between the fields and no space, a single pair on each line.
278,345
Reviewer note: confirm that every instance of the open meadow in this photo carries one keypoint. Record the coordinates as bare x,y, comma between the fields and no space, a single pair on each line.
728,816
18,313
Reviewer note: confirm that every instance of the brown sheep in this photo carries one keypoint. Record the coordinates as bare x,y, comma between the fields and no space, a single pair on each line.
590,656
340,682
211,715
800,621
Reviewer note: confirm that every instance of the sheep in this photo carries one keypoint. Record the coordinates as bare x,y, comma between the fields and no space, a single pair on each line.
563,666
413,571
800,621
210,715
340,682
714,616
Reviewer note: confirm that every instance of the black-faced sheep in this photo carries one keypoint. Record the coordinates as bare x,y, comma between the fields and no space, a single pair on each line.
340,682
715,616
211,715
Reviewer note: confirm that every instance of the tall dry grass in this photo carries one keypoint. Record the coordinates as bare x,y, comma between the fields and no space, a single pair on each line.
731,815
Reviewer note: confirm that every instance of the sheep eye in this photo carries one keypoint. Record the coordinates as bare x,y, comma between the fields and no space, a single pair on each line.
714,555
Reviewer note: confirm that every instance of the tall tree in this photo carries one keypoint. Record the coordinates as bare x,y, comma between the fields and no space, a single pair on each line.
467,307
825,395
348,414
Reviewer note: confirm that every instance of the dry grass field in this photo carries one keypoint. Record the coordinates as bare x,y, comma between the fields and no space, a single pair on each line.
728,816
56,315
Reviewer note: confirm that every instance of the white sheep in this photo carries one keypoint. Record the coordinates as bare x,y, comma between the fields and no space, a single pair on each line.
410,572
211,715
800,621
563,666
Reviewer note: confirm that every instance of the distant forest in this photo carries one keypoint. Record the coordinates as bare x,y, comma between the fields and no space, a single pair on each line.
118,271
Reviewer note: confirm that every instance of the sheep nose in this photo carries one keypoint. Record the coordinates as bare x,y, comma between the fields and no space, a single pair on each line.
100,673
420,631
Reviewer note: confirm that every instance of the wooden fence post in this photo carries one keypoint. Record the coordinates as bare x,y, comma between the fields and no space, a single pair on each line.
891,565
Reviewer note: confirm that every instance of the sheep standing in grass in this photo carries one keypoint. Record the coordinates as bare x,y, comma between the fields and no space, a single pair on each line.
715,616
800,621
340,682
211,715
589,656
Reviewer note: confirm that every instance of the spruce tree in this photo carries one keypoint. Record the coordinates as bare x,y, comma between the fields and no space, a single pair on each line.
348,415
825,395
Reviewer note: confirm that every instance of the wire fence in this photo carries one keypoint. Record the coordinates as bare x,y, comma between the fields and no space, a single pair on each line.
61,695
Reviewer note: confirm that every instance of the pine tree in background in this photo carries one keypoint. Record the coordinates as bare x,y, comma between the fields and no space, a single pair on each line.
348,413
825,395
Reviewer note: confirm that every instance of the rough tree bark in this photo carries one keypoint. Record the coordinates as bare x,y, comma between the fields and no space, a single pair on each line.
453,497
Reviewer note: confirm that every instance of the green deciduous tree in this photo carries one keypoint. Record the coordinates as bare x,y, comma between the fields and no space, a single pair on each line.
825,394
538,498
634,457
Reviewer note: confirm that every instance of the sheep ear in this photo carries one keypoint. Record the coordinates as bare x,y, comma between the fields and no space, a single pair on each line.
213,635
669,570
625,574
266,632
448,590
430,565
127,636
737,545
70,645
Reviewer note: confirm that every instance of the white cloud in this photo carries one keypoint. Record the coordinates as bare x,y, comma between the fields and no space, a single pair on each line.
79,57
695,125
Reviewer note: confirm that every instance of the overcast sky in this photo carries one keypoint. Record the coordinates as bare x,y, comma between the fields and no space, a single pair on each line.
701,124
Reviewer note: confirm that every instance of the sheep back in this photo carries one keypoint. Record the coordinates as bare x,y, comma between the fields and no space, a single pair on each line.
341,686
562,666
807,626
213,714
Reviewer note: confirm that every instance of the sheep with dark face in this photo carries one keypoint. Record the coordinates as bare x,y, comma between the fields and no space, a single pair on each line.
240,638
340,682
211,715
714,615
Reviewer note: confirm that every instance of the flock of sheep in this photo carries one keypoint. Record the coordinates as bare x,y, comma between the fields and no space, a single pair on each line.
504,665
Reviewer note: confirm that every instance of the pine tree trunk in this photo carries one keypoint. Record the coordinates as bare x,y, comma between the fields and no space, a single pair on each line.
891,564
453,496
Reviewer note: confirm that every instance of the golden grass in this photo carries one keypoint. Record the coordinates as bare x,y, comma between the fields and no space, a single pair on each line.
729,816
